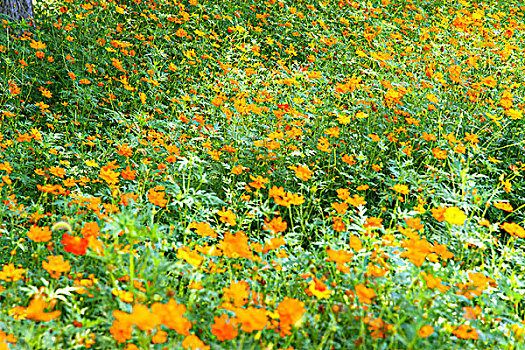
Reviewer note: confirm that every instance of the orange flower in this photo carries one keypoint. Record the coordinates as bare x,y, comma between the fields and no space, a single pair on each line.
284,198
6,338
455,216
276,225
376,271
195,285
238,293
471,313
355,243
294,199
223,328
414,223
6,166
160,337
513,229
378,327
276,192
466,332
57,171
480,280
157,198
234,246
10,273
425,331
432,98
203,229
417,250
35,310
274,243
251,319
489,81
356,200
237,170
181,33
441,250
171,316
350,160
338,224
121,330
338,256
323,144
74,244
258,182
143,318
364,294
302,172
124,295
39,234
438,213
37,45
373,222
129,174
194,343
439,153
290,312
428,137
341,208
124,150
434,282
56,265
90,229
473,138
362,187
343,193
110,176
504,206
227,217
455,73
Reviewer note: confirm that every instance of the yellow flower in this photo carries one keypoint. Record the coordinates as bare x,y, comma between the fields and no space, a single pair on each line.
514,114
344,119
319,289
403,189
191,257
455,216
432,98
123,295
91,163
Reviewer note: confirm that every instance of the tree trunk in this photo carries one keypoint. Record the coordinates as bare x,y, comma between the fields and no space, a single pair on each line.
17,10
